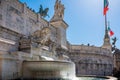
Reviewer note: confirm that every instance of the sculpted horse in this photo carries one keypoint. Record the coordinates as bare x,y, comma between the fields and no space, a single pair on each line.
43,12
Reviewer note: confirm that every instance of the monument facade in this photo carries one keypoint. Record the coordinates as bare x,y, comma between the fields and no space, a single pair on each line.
26,36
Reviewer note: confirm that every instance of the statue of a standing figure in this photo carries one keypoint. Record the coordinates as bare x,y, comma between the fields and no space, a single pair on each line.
59,11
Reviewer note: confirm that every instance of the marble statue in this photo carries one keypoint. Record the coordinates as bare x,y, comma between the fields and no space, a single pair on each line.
59,9
41,37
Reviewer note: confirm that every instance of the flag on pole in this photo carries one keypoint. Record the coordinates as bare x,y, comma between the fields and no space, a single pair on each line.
110,32
106,3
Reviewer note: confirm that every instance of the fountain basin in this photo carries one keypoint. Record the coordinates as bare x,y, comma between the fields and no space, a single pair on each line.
48,70
96,78
55,70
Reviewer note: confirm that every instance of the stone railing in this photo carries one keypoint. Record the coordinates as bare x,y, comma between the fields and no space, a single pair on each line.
90,49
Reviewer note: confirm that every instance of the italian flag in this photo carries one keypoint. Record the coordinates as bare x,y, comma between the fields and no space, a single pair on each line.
106,3
110,32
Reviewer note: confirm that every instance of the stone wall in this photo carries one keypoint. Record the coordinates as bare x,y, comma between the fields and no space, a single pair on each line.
8,66
117,60
1,15
10,36
90,49
0,69
16,16
91,60
16,20
9,69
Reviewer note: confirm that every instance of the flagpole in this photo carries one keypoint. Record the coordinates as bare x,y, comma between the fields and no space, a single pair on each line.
106,3
106,22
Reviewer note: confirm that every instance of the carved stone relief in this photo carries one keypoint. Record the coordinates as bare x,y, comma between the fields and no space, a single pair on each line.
45,36
42,36
35,37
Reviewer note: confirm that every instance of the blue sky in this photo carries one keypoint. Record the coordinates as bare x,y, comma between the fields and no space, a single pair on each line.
85,19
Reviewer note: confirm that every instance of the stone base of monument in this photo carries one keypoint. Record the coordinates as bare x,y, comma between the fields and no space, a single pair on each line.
48,70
